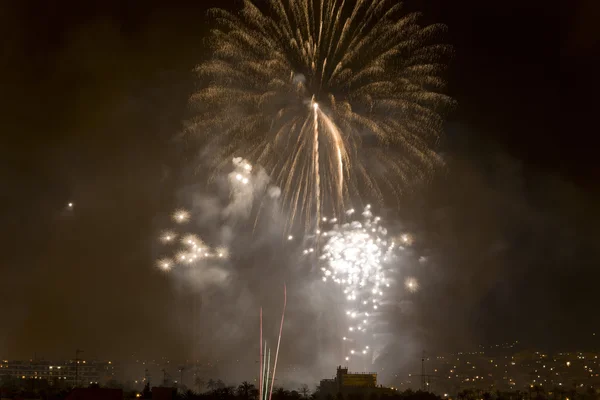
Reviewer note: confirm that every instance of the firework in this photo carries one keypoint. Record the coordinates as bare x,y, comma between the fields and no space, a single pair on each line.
168,236
357,257
411,284
242,172
165,264
181,216
331,97
190,250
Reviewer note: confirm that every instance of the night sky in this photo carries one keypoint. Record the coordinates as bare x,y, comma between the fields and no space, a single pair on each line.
93,99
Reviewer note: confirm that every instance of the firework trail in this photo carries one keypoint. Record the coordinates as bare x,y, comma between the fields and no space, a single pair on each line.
331,97
358,257
265,363
260,358
278,340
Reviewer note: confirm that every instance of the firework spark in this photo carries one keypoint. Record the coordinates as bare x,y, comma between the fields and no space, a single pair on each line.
181,216
411,284
358,256
168,237
191,250
165,264
331,97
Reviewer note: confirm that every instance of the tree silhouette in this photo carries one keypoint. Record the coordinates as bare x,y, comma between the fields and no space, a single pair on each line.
294,395
304,391
199,383
147,393
246,391
281,394
212,384
189,395
538,392
467,394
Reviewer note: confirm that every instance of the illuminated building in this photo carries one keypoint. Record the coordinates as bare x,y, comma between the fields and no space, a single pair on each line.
59,373
351,383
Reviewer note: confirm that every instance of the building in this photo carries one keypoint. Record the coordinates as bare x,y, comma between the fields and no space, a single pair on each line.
348,383
65,374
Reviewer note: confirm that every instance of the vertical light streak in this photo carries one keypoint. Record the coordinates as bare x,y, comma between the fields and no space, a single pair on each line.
339,145
279,339
265,376
260,358
316,161
268,371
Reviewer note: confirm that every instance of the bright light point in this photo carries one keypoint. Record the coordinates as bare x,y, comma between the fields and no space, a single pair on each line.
290,237
238,177
411,284
368,207
406,239
70,205
351,351
181,216
367,347
344,338
245,181
164,264
364,352
316,106
347,358
167,237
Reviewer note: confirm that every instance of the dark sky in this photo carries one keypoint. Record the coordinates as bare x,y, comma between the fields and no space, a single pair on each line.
94,94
